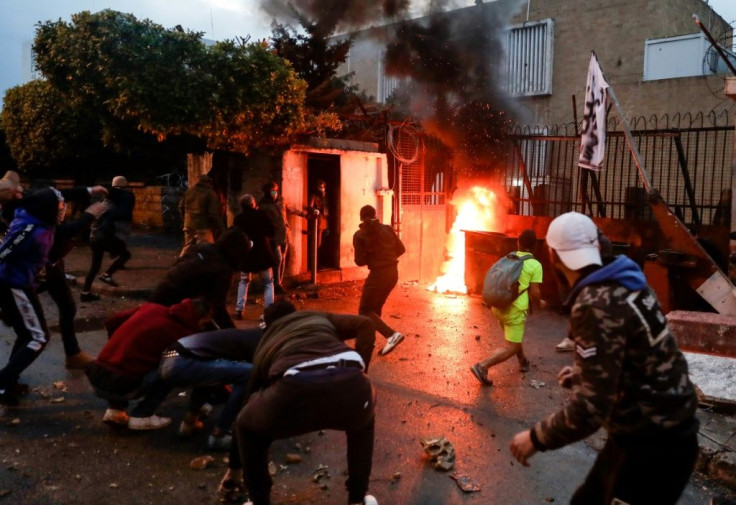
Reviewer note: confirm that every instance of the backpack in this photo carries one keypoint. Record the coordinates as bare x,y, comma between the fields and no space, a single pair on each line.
501,285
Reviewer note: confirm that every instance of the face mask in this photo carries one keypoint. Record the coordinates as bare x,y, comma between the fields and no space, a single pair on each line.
274,194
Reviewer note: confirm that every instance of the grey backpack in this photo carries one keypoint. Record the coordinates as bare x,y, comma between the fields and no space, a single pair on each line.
501,285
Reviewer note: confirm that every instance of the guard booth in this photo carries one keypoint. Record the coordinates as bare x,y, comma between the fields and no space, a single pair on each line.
355,174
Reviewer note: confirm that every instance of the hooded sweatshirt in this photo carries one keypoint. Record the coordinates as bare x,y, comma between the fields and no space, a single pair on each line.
628,375
376,245
25,248
135,348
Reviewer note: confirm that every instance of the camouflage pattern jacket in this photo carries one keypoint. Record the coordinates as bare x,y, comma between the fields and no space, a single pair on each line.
629,375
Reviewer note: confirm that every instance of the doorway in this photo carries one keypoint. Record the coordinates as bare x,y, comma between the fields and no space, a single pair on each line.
324,168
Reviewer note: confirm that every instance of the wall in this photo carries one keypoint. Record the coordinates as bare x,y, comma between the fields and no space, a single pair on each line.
617,30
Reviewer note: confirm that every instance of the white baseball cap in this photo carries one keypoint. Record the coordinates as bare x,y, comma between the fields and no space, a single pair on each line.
574,237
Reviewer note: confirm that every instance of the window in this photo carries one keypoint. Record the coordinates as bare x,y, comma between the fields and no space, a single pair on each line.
530,52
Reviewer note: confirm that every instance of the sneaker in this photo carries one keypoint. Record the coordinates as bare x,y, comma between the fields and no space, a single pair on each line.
78,361
482,378
187,428
20,389
107,279
566,345
8,398
115,418
524,366
368,500
153,422
87,296
238,316
392,342
219,443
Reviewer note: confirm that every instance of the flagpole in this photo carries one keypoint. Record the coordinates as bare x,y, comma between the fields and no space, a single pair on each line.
630,141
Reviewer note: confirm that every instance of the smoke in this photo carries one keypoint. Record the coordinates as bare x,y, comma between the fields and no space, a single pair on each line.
454,64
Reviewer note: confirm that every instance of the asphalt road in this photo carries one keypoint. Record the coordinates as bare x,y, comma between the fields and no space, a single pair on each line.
55,449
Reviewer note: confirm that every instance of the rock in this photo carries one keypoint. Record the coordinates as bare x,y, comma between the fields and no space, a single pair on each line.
396,477
58,399
465,483
441,453
723,468
292,458
201,462
271,468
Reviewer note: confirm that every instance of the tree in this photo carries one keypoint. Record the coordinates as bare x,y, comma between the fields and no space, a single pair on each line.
316,58
165,82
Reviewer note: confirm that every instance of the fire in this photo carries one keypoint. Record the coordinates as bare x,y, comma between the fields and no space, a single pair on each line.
478,209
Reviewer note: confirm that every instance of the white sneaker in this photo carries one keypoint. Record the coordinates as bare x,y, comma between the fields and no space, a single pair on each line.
566,345
392,342
115,417
153,422
368,500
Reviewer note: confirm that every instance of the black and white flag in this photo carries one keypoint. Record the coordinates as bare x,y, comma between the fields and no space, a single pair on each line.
593,139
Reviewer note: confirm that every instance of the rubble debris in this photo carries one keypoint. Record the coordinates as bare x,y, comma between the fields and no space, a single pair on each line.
396,477
465,483
14,422
58,399
201,462
272,468
61,385
293,458
322,472
537,384
441,453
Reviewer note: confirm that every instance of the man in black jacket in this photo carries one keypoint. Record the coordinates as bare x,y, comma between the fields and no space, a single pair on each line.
206,271
377,246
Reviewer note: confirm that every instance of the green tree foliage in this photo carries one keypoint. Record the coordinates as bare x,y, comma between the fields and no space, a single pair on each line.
135,81
42,129
316,57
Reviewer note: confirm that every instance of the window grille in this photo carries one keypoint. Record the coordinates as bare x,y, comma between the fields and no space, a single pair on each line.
530,54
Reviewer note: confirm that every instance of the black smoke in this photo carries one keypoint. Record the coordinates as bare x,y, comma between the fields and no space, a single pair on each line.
454,59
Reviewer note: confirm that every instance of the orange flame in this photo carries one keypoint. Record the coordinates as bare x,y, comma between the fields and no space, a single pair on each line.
478,209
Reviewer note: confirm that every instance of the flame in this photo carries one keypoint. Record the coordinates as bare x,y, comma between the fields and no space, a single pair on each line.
478,209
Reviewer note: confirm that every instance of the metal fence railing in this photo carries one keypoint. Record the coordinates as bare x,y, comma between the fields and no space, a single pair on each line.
688,159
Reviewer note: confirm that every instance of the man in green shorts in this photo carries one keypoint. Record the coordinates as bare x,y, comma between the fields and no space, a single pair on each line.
513,317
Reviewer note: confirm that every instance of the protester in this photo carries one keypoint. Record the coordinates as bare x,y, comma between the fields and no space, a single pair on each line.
207,360
276,209
318,215
513,318
53,280
23,252
305,378
260,259
201,210
207,272
110,233
377,246
127,366
628,376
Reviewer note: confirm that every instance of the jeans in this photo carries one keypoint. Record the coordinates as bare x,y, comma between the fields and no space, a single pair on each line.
183,371
242,296
153,389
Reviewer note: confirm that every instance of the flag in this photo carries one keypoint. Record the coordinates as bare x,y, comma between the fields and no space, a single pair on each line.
593,139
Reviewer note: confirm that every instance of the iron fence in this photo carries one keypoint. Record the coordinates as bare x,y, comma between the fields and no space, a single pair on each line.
688,159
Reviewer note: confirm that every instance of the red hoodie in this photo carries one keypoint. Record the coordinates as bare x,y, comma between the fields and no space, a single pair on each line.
135,348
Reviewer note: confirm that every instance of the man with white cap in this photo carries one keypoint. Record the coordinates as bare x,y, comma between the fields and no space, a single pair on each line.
628,376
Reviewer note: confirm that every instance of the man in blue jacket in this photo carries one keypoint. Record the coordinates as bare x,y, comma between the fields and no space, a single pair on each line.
23,252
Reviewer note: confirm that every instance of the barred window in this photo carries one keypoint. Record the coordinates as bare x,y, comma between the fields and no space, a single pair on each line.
530,54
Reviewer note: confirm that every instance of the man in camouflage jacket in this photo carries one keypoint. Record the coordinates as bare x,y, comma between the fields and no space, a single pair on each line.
628,376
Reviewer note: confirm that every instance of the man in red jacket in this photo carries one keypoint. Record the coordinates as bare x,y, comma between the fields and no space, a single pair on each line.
126,367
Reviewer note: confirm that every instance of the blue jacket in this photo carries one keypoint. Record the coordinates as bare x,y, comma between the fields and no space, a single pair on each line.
24,249
622,270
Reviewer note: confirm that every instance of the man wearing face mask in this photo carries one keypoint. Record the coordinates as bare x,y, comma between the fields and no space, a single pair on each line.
273,206
319,212
23,252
